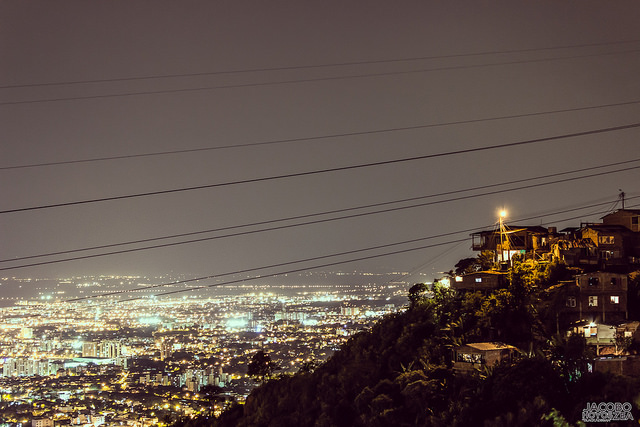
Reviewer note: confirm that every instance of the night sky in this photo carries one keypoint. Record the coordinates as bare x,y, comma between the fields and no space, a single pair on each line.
388,80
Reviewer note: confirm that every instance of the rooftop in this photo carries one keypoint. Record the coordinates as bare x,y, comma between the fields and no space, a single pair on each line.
485,346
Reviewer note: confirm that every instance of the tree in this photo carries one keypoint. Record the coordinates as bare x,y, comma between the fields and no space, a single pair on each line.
623,342
466,265
572,355
417,293
483,262
634,295
309,366
261,366
486,260
213,395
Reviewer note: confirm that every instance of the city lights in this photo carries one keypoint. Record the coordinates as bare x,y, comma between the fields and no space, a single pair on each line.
94,350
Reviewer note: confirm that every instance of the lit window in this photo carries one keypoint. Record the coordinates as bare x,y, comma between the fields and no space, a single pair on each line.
479,279
606,240
615,299
593,301
571,302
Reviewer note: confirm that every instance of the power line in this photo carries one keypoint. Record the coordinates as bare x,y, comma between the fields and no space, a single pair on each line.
242,233
309,80
400,251
311,215
337,169
269,266
447,193
313,267
306,67
298,270
321,137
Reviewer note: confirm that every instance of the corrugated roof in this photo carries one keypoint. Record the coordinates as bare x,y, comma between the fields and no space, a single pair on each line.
633,211
486,273
484,346
608,227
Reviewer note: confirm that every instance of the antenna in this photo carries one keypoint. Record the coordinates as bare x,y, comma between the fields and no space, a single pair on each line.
621,195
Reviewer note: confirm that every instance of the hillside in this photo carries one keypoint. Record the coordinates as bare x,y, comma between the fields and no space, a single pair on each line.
400,371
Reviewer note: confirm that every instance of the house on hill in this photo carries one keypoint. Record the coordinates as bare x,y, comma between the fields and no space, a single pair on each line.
616,246
629,218
599,297
528,241
612,245
473,356
480,281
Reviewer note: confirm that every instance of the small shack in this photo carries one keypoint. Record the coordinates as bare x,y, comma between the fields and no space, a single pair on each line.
475,355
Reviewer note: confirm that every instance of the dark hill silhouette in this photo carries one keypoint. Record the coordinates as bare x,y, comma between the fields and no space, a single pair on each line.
399,373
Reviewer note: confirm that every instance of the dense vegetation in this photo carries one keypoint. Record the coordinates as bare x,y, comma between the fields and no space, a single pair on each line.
399,373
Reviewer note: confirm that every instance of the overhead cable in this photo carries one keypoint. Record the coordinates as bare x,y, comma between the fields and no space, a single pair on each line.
329,170
320,137
287,226
297,270
165,245
314,66
307,80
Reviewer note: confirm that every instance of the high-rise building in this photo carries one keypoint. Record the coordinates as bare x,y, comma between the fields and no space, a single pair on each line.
110,349
22,367
90,349
166,349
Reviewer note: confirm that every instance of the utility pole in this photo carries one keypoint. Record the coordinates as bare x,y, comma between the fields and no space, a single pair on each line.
503,213
621,195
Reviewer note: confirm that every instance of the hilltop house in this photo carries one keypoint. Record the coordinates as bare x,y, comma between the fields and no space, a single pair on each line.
480,281
597,297
475,355
612,245
629,218
527,241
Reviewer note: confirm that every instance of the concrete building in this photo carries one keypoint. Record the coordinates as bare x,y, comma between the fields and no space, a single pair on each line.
90,349
480,281
599,297
473,356
110,349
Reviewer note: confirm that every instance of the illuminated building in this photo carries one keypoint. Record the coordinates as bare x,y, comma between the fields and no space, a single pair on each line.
110,349
90,349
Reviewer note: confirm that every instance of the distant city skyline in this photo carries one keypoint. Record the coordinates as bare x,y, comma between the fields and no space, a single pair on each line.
61,353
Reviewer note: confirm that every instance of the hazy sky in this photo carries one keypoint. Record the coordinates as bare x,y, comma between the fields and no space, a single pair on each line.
480,60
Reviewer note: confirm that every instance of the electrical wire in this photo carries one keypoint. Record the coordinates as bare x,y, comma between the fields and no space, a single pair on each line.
308,80
314,66
249,270
320,137
320,266
308,268
336,169
164,245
